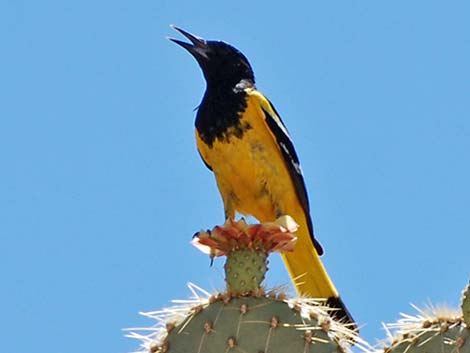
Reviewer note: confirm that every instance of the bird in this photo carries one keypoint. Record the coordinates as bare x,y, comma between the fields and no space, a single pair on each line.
241,138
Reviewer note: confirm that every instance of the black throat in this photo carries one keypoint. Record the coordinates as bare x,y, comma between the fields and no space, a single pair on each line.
219,116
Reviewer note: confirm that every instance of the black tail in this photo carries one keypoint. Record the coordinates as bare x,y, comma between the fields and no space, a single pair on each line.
341,313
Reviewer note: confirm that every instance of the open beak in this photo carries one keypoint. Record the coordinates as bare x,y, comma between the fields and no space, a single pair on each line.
198,46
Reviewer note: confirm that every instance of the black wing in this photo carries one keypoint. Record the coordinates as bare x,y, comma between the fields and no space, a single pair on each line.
293,165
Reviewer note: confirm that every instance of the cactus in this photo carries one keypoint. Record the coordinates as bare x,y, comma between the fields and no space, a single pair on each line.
432,330
246,318
254,324
466,305
245,270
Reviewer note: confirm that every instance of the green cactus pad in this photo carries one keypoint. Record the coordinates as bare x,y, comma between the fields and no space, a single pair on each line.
466,305
245,270
431,340
431,332
251,325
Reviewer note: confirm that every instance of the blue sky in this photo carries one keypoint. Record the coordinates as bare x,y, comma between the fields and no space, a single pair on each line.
101,187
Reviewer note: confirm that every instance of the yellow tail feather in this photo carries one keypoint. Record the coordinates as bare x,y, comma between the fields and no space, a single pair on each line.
306,269
309,275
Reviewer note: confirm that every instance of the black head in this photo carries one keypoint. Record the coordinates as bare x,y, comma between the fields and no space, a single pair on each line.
222,64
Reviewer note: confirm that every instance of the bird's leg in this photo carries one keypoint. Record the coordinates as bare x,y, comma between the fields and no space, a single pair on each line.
228,197
229,213
229,209
278,211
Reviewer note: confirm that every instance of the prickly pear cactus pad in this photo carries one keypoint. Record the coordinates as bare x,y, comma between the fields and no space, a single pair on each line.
267,323
245,270
432,330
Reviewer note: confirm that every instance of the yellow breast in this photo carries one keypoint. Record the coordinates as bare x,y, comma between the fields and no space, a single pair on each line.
250,170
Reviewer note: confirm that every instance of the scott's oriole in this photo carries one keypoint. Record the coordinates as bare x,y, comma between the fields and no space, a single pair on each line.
243,140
